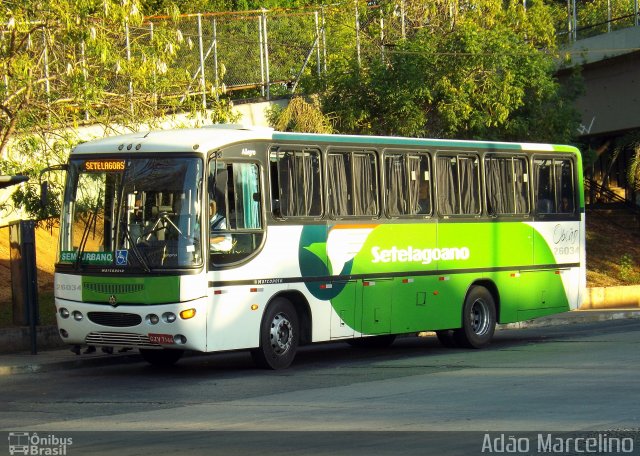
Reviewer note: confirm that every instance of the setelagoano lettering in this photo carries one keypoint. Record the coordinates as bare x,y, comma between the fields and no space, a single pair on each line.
424,256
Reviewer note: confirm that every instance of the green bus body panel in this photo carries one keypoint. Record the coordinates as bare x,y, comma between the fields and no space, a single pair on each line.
131,290
412,277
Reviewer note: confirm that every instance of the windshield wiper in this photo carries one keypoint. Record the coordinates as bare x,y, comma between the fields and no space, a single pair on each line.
139,256
85,235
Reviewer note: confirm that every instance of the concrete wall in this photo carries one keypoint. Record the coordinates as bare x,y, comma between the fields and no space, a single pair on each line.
611,72
611,297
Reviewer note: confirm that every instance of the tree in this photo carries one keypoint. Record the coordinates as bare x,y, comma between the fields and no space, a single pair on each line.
71,62
481,70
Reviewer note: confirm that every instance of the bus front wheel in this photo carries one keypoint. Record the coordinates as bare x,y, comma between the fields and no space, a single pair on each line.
279,336
478,319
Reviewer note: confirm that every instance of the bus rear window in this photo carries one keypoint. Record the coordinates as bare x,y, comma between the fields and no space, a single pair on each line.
554,188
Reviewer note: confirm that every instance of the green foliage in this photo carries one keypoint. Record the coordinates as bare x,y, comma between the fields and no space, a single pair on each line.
483,72
299,116
627,268
91,76
33,154
631,141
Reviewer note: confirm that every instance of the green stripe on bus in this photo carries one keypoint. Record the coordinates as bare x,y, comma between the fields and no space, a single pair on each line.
131,290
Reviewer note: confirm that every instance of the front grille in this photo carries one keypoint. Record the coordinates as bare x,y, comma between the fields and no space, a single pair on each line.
114,288
115,319
119,339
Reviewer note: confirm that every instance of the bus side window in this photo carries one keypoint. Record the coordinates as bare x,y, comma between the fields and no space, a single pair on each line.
295,183
352,183
506,181
458,184
408,184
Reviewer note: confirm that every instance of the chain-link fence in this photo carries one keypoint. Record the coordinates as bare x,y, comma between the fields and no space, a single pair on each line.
585,19
244,54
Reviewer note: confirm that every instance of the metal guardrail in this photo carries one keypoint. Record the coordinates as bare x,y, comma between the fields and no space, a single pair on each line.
602,194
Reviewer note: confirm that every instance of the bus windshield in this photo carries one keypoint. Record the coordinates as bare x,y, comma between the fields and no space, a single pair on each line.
137,213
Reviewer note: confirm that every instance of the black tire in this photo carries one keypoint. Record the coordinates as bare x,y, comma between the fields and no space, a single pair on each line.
478,319
162,358
279,336
446,338
382,341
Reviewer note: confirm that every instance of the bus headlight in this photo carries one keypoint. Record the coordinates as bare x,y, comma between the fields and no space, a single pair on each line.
169,317
153,319
77,315
188,313
64,313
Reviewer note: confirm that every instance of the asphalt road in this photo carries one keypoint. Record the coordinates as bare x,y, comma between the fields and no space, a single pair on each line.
580,377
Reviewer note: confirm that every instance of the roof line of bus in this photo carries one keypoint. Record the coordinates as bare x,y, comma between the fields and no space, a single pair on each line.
205,139
405,141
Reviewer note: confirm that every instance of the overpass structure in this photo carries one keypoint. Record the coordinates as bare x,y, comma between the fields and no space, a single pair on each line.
610,64
609,108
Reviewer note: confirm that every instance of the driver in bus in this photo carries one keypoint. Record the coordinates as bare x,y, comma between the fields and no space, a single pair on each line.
218,242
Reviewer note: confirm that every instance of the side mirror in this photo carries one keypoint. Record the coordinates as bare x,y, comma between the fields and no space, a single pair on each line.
44,185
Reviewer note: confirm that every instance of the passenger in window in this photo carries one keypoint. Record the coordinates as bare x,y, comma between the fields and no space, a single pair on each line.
565,206
545,206
424,202
218,242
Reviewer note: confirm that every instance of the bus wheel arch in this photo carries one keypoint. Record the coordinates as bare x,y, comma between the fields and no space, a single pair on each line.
279,335
493,289
479,317
303,310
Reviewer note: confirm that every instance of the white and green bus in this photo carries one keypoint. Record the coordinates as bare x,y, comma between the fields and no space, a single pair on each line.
218,239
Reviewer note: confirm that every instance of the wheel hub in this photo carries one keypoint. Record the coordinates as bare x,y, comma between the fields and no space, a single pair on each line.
480,317
281,334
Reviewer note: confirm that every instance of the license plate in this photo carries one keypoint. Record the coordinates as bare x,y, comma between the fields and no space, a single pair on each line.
163,339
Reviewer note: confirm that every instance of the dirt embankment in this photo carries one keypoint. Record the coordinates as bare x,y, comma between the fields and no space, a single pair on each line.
46,250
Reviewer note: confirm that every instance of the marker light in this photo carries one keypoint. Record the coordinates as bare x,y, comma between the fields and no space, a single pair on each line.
64,313
188,313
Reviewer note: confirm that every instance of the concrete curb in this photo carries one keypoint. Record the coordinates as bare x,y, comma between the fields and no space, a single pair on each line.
611,297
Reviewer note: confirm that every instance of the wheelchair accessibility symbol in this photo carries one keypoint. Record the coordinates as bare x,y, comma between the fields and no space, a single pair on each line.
121,257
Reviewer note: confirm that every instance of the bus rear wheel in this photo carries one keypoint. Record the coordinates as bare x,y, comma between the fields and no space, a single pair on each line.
279,336
162,358
478,319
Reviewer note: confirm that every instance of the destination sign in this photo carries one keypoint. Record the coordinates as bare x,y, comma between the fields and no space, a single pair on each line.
96,166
